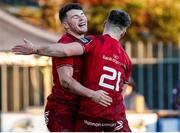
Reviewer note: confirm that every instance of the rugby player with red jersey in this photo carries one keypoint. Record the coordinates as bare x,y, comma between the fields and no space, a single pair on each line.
62,106
107,67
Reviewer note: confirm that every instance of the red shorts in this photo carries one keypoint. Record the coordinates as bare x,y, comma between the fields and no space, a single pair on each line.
60,117
90,124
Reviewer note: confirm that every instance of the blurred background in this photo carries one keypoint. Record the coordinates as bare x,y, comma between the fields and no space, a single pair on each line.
152,42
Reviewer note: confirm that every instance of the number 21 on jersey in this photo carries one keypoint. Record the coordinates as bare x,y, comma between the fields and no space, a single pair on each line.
114,77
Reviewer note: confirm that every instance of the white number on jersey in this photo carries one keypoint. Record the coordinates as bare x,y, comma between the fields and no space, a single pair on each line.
115,76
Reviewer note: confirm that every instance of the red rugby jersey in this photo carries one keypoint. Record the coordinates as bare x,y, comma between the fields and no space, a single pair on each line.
60,93
107,67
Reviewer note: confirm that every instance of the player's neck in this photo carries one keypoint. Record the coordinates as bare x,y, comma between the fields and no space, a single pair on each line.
113,35
76,35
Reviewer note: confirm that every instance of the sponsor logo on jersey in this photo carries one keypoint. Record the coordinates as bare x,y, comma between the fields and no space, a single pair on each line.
114,59
97,124
116,56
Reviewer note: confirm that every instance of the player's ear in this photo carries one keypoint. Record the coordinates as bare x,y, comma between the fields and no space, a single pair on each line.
65,24
123,33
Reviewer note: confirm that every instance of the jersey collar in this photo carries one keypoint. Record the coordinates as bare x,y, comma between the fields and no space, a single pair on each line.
71,36
83,40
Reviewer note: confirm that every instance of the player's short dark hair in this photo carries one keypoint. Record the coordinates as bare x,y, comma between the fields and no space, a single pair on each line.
66,8
119,18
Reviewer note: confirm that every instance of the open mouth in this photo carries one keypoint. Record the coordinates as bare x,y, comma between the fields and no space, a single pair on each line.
82,24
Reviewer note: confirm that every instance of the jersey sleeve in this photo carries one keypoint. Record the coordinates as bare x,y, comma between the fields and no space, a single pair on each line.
63,61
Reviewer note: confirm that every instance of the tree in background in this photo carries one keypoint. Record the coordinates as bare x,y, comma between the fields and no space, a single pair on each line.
164,19
151,19
50,17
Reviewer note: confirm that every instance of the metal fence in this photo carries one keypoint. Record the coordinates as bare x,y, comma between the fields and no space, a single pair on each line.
24,86
24,81
156,70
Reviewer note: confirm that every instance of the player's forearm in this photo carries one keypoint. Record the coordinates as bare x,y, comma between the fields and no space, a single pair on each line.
50,50
76,88
60,50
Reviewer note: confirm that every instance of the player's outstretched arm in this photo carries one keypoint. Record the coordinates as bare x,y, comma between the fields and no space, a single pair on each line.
57,49
67,81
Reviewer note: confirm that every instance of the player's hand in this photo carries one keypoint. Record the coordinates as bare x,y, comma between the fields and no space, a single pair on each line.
26,48
101,97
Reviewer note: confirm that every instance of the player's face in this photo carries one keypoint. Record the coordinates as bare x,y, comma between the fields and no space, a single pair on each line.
76,21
